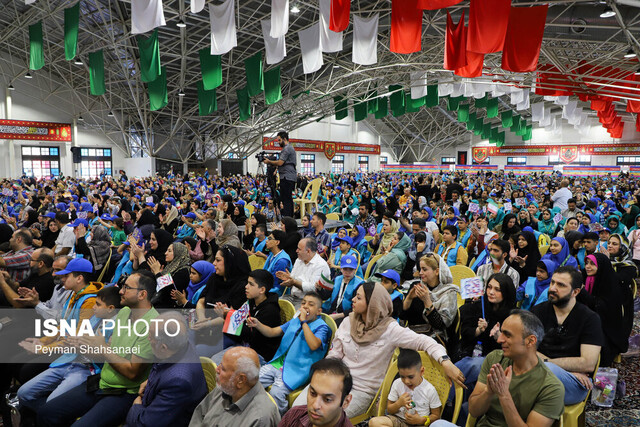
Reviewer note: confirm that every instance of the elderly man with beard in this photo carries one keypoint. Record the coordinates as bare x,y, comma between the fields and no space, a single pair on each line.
40,279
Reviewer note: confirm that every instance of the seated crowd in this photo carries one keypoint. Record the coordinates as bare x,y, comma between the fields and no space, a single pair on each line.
329,311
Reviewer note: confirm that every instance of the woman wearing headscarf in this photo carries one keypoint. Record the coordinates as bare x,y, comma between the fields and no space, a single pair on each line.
616,227
199,275
360,244
366,340
524,218
634,241
574,239
250,228
178,261
508,227
290,226
396,258
603,294
159,242
620,256
535,289
495,220
546,224
227,234
431,305
238,216
525,258
49,234
99,247
630,216
170,221
587,219
146,222
382,239
571,224
560,253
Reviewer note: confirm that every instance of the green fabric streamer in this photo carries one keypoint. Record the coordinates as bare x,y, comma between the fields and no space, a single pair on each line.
341,106
463,113
413,105
454,102
481,102
360,109
253,70
500,141
396,100
272,87
382,107
486,131
207,102
493,138
96,73
527,135
372,103
149,48
432,96
36,51
71,19
471,121
158,96
478,126
244,103
492,107
211,69
515,126
304,92
507,118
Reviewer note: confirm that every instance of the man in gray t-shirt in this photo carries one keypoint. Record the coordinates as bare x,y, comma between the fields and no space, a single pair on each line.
287,170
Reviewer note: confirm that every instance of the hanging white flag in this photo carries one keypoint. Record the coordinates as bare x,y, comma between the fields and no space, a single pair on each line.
330,41
310,47
458,90
29,1
146,15
562,100
445,89
197,6
546,120
279,18
418,84
275,48
365,40
223,27
569,109
517,95
537,111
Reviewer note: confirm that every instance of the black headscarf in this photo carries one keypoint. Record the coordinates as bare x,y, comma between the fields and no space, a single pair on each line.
509,231
293,237
230,289
572,237
532,255
164,239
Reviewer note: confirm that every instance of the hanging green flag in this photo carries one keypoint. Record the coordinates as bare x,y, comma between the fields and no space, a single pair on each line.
304,92
454,102
272,87
527,135
207,102
36,51
432,96
493,138
486,131
341,106
382,107
478,126
471,121
158,96
413,105
253,70
481,102
515,126
463,113
396,100
372,103
211,69
500,142
71,18
149,48
492,107
360,109
244,103
507,118
96,73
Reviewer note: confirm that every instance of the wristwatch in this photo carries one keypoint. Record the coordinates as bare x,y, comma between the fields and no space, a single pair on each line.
445,357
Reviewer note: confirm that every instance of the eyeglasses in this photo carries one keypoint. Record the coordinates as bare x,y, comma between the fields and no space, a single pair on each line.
127,287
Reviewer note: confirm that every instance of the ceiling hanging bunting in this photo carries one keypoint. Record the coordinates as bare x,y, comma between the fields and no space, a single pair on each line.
455,44
330,41
312,59
244,104
222,18
488,20
524,38
71,19
149,48
36,51
436,4
432,96
418,84
146,15
207,102
633,106
382,107
365,40
254,73
279,18
158,96
275,48
197,6
341,106
475,62
638,123
339,20
406,26
272,86
96,73
210,68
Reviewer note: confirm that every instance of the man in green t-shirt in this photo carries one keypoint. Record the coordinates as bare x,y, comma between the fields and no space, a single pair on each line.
105,398
514,386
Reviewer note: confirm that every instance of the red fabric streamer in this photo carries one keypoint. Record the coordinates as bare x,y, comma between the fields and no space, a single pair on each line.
436,4
406,26
617,131
550,82
638,123
339,20
633,106
488,20
475,62
524,38
599,104
455,44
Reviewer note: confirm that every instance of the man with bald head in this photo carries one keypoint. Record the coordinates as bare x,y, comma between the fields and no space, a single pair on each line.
238,399
39,279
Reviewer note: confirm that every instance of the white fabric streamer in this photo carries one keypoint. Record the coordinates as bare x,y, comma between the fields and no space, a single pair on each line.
310,46
275,48
330,41
223,27
279,18
537,111
146,15
445,89
197,6
418,84
365,40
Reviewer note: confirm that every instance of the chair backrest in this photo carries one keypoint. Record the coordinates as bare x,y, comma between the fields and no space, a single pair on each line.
544,249
287,310
371,264
333,216
331,323
251,209
256,262
460,272
209,369
368,238
315,189
306,190
105,268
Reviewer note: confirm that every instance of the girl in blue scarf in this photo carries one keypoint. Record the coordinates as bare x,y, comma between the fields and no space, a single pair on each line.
360,244
587,219
534,290
559,253
546,224
200,273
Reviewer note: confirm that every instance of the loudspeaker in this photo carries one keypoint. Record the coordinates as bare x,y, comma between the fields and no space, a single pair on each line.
77,157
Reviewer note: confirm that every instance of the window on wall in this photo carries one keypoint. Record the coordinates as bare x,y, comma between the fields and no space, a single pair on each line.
628,160
308,163
583,159
448,160
384,160
95,161
363,164
516,160
337,164
484,162
40,162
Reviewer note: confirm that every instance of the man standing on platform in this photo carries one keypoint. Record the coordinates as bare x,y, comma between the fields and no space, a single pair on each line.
287,169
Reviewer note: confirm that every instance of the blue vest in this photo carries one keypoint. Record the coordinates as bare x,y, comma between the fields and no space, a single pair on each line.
582,254
481,259
452,256
395,295
349,291
298,357
259,246
270,266
530,294
464,238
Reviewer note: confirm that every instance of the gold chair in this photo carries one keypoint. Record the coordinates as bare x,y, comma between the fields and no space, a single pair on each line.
544,249
251,209
371,411
256,262
374,259
334,216
460,272
313,188
573,415
105,268
287,310
209,369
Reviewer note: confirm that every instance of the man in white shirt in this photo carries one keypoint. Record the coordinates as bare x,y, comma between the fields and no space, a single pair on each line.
67,238
499,251
562,196
306,271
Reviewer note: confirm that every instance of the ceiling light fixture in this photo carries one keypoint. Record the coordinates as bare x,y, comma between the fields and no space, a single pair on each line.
181,93
607,12
78,61
295,9
630,54
181,24
637,73
80,119
110,114
11,87
28,75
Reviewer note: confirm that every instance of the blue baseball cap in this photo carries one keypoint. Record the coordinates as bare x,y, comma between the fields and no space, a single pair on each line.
347,239
150,204
79,221
348,261
607,229
190,215
391,275
51,215
77,265
86,206
106,217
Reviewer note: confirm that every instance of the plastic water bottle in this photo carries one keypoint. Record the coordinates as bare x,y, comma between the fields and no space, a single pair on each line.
412,410
477,350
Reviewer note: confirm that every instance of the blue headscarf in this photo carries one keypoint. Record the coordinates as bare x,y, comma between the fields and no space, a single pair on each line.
541,285
361,234
206,269
564,257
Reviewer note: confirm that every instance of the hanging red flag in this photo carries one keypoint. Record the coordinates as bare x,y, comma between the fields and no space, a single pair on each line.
488,20
638,123
524,38
406,26
633,106
599,104
455,44
617,131
436,4
339,20
475,61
